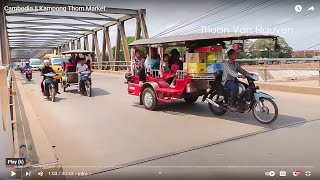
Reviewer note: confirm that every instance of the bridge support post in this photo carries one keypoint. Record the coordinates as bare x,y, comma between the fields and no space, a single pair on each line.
79,43
117,52
62,47
4,42
97,50
85,43
124,43
138,29
59,50
108,43
104,43
142,17
72,45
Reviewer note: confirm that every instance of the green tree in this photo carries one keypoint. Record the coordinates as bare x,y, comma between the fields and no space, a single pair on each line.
265,48
130,39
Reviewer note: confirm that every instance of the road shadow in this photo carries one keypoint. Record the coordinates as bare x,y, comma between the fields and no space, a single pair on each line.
201,109
99,92
74,91
58,99
28,82
95,92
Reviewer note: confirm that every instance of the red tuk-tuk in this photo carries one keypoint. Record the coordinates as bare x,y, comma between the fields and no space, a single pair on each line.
189,85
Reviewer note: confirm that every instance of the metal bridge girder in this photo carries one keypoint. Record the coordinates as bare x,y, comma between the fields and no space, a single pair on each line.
36,38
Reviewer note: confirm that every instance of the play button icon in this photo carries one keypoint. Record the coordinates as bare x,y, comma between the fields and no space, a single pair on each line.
13,173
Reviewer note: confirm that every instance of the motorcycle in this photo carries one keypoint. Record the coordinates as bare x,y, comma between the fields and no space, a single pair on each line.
29,74
50,86
263,107
85,82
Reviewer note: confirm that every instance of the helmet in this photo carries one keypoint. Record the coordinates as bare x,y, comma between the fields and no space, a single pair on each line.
46,62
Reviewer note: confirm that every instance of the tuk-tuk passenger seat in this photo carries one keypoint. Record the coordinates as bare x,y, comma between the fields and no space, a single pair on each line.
71,68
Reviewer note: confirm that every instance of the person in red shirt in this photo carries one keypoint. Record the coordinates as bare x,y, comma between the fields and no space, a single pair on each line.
71,65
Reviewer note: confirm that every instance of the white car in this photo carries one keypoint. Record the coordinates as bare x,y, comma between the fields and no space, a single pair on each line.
36,64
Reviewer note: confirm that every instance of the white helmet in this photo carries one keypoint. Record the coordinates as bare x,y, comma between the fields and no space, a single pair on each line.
46,62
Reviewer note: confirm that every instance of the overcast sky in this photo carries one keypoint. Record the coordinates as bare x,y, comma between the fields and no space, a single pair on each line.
274,15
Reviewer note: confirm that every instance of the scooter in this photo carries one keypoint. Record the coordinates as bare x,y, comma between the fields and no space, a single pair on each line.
85,82
29,74
50,86
264,109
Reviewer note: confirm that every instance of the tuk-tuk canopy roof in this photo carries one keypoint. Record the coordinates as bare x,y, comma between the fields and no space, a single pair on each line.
184,40
77,51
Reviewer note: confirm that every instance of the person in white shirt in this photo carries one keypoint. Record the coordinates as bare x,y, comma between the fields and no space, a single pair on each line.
81,66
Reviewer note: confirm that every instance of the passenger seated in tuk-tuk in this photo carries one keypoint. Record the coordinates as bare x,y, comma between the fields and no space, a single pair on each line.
169,74
153,61
175,59
137,62
138,66
71,65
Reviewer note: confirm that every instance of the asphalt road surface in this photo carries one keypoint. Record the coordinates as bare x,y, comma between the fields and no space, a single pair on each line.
110,129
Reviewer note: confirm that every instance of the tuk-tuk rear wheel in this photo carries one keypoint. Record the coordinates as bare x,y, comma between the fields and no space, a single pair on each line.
149,99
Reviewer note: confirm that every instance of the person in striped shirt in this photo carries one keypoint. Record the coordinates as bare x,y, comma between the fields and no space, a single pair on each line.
230,75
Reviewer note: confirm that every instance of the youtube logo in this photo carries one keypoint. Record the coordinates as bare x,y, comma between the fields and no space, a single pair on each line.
296,173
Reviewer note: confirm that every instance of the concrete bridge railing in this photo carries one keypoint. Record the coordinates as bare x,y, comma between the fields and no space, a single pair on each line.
283,67
6,134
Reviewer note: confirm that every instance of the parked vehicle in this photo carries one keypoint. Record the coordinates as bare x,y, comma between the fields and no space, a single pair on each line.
189,86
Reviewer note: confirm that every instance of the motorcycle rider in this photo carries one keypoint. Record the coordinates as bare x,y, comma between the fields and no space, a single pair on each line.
229,77
47,69
81,66
27,66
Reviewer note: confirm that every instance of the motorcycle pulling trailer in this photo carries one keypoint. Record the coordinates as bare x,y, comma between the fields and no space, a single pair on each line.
190,86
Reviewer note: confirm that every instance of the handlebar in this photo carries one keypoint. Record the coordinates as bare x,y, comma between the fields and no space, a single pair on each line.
251,76
85,72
